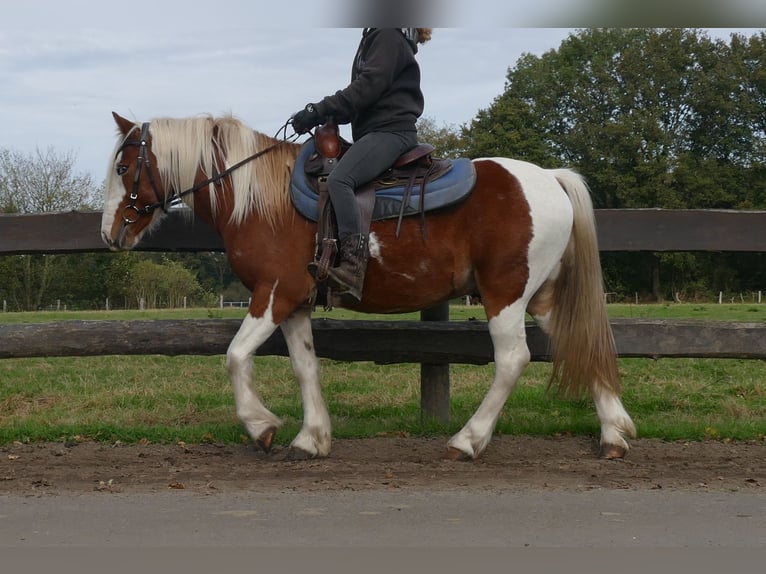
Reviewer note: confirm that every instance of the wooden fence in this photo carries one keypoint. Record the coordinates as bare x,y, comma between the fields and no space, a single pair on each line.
618,230
434,342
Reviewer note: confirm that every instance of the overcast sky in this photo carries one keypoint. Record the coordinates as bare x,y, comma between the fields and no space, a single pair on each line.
65,65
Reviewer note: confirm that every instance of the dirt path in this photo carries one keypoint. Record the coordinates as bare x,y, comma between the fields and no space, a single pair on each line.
562,463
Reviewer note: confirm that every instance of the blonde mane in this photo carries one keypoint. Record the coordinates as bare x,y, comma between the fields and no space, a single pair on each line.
184,146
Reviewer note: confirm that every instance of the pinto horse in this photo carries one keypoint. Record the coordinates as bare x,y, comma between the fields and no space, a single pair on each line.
524,239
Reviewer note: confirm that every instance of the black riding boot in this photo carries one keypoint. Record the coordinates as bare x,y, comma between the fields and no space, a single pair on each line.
348,276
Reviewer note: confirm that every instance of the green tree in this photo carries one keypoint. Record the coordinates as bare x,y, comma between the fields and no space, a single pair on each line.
117,277
653,118
212,269
178,283
163,284
32,183
81,280
447,139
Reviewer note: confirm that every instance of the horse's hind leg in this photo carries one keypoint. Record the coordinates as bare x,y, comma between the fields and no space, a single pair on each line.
615,422
314,438
511,356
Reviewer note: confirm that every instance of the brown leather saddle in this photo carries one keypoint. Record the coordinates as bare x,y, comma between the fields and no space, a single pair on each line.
413,169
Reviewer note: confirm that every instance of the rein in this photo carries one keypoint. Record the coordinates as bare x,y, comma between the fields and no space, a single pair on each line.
132,213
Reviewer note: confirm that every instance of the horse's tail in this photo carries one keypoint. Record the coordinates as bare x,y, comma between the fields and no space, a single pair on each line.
582,344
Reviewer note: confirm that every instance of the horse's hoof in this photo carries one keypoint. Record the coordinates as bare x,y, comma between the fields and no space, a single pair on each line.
612,451
295,453
266,440
456,454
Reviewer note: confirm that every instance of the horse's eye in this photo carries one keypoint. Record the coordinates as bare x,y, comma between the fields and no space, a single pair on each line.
122,169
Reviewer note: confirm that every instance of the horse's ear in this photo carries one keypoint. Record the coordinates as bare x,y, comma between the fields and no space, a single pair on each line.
125,125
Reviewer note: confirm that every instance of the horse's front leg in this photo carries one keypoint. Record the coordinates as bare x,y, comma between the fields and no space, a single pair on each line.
256,328
315,435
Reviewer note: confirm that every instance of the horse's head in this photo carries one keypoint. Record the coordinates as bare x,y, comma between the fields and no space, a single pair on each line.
134,200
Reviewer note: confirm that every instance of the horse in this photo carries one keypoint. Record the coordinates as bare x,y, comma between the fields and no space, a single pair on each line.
524,239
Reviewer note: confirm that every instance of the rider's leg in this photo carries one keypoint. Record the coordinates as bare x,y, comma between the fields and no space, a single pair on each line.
366,159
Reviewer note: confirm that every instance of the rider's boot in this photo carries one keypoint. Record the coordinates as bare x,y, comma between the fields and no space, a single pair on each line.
348,276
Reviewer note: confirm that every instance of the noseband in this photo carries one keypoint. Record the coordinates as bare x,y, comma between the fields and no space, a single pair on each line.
132,213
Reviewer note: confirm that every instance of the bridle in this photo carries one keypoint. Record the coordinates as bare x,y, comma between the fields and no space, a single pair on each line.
132,212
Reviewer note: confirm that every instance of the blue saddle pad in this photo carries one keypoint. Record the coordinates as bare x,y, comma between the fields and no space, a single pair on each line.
452,187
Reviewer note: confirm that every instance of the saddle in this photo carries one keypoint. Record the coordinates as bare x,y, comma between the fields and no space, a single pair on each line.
416,183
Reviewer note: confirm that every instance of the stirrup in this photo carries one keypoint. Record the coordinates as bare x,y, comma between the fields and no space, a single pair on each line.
319,268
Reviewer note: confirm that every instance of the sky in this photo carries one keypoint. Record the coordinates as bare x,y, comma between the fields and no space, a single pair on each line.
65,65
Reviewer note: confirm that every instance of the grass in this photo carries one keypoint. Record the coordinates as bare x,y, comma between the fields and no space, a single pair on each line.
165,399
752,312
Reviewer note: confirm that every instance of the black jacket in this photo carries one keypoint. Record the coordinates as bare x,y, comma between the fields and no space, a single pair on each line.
384,93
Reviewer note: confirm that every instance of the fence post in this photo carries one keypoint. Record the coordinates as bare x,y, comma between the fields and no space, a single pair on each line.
434,378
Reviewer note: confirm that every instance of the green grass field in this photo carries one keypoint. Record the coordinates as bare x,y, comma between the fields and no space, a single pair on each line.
708,312
165,399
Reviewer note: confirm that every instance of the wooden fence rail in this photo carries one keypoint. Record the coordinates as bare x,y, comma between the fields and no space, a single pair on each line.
434,342
438,342
618,230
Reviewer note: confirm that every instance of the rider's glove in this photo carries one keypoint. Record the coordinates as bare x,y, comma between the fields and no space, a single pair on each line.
306,119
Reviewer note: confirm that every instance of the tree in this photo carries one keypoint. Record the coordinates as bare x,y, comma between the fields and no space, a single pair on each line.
652,118
630,108
511,126
212,269
32,183
447,139
162,284
179,283
43,181
70,287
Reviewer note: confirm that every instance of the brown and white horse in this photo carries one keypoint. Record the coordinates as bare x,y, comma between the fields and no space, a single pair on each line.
524,239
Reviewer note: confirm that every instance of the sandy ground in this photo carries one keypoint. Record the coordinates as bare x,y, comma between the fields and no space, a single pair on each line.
510,463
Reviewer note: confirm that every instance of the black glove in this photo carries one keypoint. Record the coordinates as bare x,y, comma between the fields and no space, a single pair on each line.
306,119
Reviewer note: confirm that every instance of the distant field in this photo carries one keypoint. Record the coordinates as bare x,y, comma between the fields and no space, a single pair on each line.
710,312
165,399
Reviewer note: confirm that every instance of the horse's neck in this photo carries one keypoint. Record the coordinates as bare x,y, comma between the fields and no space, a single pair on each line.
268,213
220,219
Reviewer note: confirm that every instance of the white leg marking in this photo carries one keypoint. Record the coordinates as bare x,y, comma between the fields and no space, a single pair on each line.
315,435
239,360
544,322
616,423
511,356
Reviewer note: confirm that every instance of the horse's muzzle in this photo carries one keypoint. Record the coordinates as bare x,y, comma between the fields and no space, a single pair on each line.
117,244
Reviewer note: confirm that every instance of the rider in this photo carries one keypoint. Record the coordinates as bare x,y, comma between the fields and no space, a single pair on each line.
382,103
